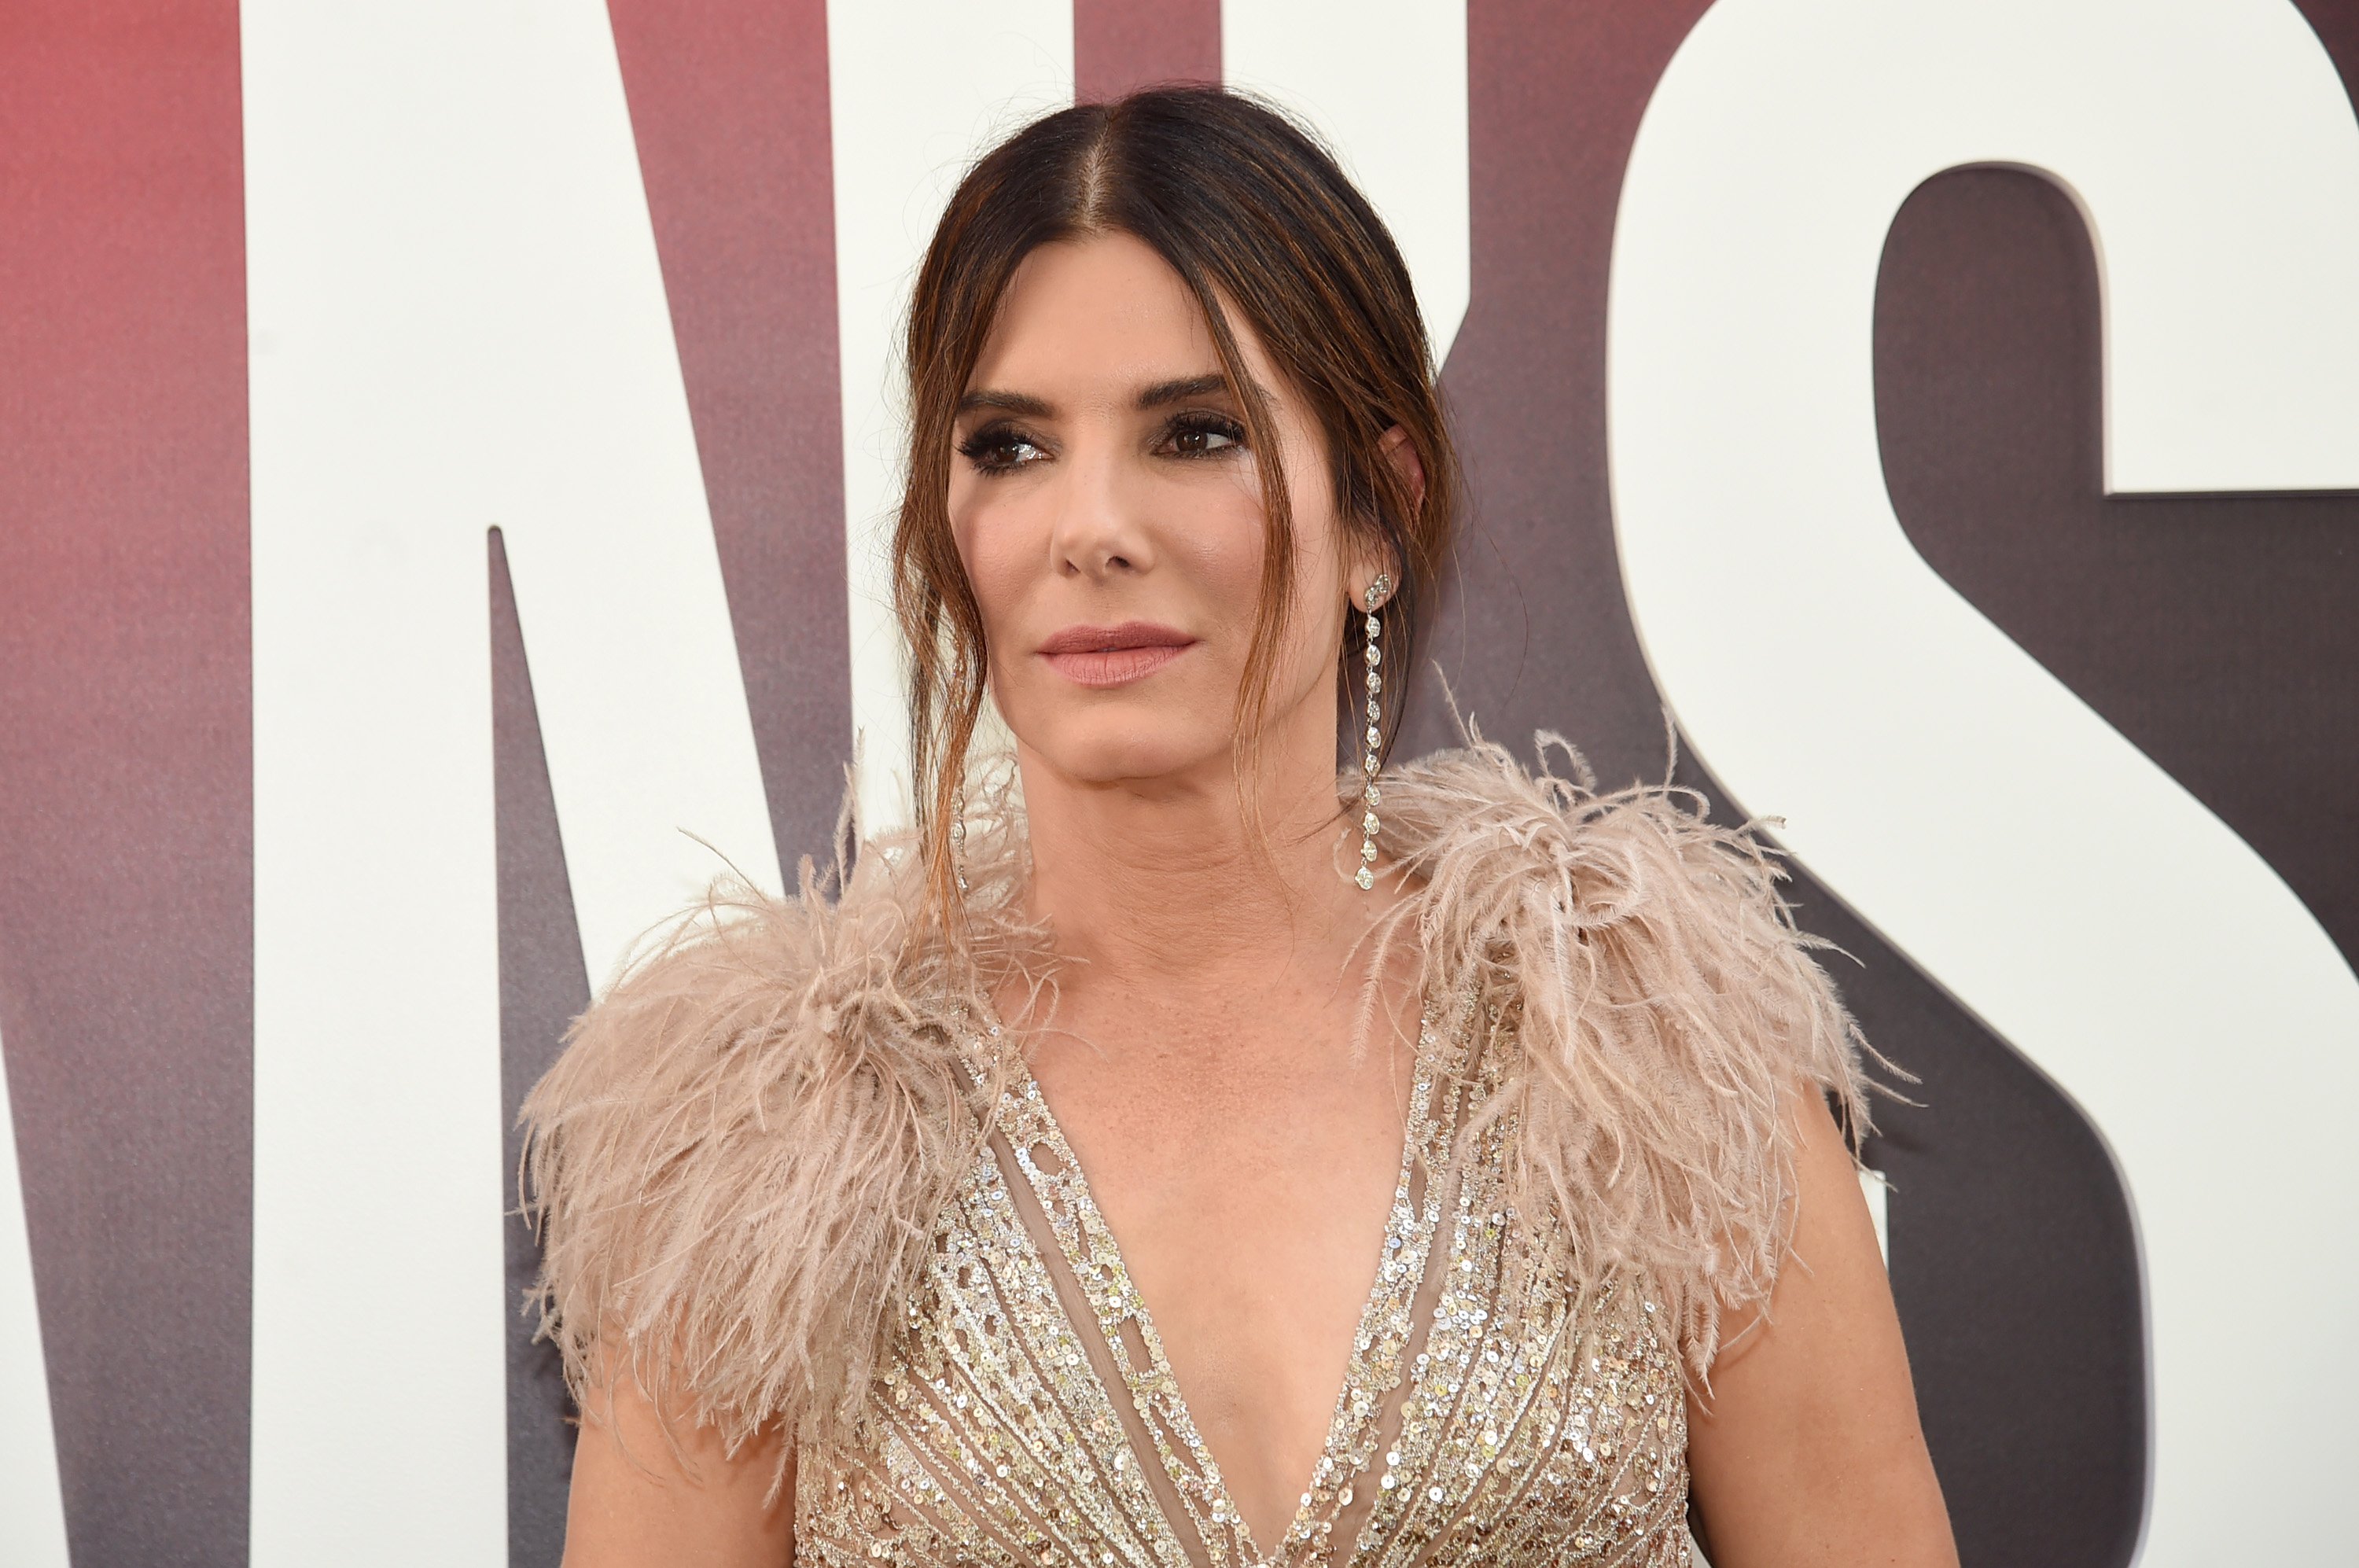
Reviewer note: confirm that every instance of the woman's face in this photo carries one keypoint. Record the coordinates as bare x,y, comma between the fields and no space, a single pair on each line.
1110,515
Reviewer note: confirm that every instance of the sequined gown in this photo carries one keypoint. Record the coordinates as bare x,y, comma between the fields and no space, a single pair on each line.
1492,1412
781,1169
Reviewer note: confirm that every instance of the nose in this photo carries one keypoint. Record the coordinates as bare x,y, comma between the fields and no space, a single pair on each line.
1100,533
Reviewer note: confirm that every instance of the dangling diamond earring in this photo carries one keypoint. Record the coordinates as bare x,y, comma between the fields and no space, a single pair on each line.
958,840
1370,761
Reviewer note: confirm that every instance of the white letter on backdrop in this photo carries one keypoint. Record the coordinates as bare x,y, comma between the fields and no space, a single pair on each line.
458,320
1935,777
1384,80
32,1504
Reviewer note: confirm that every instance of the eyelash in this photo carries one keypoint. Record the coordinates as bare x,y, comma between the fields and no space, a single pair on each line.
1199,421
987,448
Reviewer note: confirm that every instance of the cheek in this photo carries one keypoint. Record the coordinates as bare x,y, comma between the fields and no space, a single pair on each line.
1215,542
995,545
1318,587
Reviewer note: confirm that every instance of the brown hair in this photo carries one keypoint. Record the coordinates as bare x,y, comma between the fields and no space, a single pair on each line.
1252,212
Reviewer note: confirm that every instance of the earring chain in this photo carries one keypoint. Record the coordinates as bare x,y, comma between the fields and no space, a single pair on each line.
1370,757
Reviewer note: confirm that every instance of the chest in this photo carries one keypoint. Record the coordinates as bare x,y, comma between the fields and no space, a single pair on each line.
1250,1183
1029,1414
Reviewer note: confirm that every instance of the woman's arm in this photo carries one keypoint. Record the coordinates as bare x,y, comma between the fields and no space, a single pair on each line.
636,1504
1808,1449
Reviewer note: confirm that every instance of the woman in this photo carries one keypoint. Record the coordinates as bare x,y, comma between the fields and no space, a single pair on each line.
1198,1163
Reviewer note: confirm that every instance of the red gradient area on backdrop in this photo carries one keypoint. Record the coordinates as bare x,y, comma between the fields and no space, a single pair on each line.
126,774
1119,45
729,107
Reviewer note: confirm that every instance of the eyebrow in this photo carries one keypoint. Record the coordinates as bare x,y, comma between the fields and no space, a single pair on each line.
1182,389
1007,402
1161,394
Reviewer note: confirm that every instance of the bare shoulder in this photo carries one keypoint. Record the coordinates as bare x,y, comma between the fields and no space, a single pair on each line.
1807,1446
649,1491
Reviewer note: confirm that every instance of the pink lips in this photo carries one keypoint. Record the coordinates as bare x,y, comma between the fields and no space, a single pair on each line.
1114,656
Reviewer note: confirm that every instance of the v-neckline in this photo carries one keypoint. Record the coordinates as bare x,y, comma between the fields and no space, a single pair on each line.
1376,1358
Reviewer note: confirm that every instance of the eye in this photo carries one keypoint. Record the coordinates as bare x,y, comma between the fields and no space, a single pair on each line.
1000,449
1202,433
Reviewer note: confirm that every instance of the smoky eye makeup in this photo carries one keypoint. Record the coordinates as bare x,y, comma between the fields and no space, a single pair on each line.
1001,447
1200,433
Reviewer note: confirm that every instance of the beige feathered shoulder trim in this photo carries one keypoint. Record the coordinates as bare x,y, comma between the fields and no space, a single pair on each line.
739,1160
736,1164
1664,1011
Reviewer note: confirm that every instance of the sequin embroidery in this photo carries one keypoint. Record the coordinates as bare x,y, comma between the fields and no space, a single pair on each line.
1488,1413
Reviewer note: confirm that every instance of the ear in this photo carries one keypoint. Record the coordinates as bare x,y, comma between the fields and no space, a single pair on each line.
1402,455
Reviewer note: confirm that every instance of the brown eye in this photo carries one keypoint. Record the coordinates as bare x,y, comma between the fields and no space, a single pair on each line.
1203,435
999,448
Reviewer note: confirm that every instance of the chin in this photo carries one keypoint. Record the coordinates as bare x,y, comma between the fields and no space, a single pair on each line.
1115,747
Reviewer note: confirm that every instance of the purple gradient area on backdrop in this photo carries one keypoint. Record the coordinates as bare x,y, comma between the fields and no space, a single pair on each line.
2219,634
543,986
729,107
